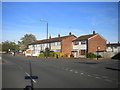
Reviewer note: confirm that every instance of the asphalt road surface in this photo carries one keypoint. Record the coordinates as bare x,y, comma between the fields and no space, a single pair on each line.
59,73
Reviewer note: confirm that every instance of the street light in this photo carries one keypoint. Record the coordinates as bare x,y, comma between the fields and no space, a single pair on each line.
42,20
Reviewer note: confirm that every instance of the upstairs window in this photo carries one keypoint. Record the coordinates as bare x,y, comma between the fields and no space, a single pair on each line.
76,43
83,42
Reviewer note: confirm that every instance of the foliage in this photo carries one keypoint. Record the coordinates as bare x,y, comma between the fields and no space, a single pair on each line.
47,52
59,54
9,45
91,55
42,55
27,39
52,54
99,56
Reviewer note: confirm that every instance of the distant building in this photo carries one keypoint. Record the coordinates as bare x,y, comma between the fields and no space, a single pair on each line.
113,47
58,44
88,43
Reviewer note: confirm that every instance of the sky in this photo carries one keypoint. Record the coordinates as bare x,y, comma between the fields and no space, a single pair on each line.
79,18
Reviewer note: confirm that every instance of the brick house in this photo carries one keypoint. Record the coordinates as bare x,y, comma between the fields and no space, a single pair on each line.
58,44
88,43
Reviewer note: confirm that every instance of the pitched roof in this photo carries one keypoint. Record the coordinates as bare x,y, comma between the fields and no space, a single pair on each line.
84,37
51,40
113,44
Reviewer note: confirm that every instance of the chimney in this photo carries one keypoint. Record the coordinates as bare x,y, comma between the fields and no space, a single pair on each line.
70,33
49,37
58,35
93,32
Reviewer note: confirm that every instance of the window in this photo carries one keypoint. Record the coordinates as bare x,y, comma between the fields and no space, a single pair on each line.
83,42
58,43
53,44
82,52
76,43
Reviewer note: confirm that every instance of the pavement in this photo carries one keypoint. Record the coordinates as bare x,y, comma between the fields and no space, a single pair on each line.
59,73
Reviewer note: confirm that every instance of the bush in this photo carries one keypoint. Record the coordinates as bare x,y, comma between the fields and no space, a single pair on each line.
51,54
99,56
91,55
59,54
47,52
42,55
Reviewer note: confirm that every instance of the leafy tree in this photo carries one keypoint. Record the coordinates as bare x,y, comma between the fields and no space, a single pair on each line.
27,39
9,45
47,52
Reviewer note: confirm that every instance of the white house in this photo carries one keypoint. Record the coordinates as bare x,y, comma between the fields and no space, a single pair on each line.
113,47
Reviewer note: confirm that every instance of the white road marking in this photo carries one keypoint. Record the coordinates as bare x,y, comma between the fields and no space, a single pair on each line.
71,70
97,77
104,77
32,79
89,75
108,80
76,72
81,73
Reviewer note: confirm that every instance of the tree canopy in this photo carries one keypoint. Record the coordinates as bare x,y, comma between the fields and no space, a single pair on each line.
27,39
9,45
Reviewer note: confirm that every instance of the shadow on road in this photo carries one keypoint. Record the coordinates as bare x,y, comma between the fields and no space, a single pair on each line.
115,69
87,62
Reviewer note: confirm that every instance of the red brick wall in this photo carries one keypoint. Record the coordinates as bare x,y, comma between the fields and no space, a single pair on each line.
96,41
67,45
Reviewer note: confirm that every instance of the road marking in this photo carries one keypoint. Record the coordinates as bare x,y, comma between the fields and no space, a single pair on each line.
89,75
76,72
81,73
104,77
32,79
108,80
97,77
71,70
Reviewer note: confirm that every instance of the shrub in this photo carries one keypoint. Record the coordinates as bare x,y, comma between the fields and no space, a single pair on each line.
47,52
59,54
42,55
99,56
51,54
91,55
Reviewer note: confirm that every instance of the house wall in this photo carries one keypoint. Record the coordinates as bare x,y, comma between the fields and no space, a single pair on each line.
80,46
78,49
113,49
96,41
56,46
67,45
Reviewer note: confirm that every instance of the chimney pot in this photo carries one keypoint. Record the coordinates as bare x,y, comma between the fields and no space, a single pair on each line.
49,37
93,32
70,33
58,35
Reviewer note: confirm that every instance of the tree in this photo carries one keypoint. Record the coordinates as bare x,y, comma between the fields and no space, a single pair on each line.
27,39
47,52
9,45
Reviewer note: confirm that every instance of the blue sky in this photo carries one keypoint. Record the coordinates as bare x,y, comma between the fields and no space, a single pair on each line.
80,18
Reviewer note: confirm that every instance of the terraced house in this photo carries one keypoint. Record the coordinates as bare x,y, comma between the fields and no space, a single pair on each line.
70,45
91,43
58,44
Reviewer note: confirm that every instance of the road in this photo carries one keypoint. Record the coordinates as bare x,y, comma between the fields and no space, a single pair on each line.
59,73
